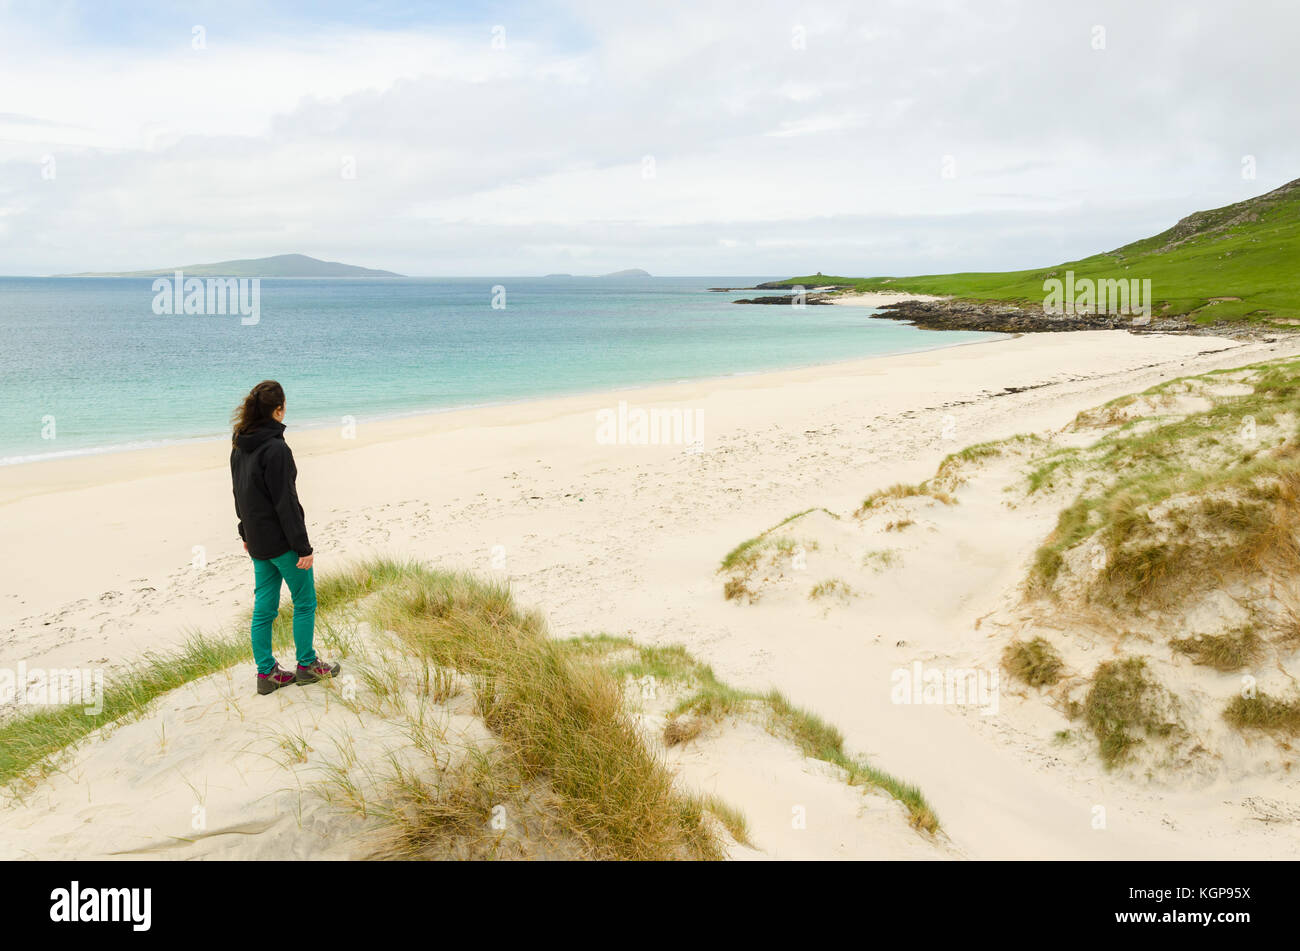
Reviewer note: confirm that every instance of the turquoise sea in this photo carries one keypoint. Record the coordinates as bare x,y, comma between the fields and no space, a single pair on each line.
88,362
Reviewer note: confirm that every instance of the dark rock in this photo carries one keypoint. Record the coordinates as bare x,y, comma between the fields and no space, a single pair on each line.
787,299
998,317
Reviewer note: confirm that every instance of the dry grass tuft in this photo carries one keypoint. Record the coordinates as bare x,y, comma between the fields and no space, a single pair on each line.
1035,662
1125,701
1234,650
1262,712
561,722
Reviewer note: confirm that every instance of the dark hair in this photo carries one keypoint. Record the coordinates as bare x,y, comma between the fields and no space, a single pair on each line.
261,401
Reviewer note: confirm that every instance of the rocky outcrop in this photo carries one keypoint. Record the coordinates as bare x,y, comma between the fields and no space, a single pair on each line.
1010,318
787,299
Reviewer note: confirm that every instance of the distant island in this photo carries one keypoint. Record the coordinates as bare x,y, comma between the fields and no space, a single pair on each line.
630,272
280,265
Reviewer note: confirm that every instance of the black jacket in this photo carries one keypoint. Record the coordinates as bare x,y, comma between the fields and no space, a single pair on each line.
271,520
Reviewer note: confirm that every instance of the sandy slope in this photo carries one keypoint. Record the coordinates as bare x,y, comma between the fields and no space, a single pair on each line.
626,539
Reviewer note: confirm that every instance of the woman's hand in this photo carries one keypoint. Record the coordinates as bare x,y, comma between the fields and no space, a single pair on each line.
305,561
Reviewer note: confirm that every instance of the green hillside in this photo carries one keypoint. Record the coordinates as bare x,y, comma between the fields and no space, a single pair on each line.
1239,262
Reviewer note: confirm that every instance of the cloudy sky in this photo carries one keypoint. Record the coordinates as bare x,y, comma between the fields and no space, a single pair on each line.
706,137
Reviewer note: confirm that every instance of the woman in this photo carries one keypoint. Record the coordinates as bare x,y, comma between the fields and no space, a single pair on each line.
274,530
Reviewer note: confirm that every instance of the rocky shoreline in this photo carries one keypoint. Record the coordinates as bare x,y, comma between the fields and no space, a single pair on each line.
998,317
788,299
1009,318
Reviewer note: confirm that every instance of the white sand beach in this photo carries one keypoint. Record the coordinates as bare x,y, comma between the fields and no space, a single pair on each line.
110,556
880,298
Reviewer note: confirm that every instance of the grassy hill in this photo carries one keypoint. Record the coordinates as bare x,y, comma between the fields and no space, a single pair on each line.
1239,262
280,265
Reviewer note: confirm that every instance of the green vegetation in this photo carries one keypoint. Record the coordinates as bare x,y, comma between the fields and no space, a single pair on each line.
1227,652
744,559
951,471
34,739
902,490
561,722
736,588
745,556
1036,662
567,750
1124,700
881,559
1232,263
1266,713
830,588
950,475
1175,503
708,700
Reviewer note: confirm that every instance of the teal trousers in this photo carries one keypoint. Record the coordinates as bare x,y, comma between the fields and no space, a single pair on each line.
268,574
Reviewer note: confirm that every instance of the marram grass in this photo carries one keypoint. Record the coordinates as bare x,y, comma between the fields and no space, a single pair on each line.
559,721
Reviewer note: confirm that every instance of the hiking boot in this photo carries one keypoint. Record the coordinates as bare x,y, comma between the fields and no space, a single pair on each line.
269,683
317,670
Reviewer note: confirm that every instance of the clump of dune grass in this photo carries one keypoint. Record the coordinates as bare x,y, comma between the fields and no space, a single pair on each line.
743,556
974,453
708,700
902,490
746,554
478,808
560,721
681,730
1265,713
952,471
732,819
1177,503
950,475
743,560
830,588
1233,650
1036,662
1123,702
820,740
736,588
880,560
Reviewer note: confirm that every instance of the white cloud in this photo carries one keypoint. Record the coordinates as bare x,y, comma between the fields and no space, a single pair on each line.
523,160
